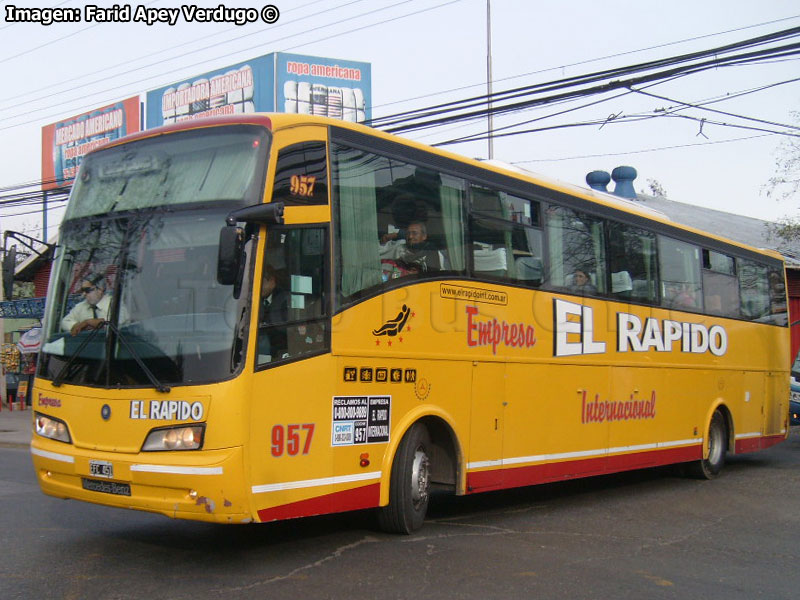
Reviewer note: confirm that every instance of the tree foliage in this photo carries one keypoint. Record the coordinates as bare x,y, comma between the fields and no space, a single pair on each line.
786,229
784,185
656,189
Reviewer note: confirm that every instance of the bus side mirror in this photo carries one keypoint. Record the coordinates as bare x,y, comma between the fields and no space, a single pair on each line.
229,258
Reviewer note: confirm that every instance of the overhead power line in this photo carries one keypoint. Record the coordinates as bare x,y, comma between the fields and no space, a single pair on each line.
589,61
514,99
587,91
499,131
632,119
521,94
641,151
720,112
28,111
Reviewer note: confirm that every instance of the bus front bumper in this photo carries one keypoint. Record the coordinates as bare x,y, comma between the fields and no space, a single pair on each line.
205,485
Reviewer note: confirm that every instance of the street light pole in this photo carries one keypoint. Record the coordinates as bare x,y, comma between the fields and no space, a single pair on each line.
489,76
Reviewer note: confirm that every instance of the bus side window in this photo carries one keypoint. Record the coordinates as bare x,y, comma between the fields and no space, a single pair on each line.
505,234
420,222
719,284
308,330
632,260
301,175
679,264
490,233
576,244
292,306
777,298
753,289
377,199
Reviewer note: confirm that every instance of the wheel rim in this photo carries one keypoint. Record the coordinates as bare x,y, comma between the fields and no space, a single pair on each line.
419,477
715,445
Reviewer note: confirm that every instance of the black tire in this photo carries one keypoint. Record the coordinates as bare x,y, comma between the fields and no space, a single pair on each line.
709,468
409,484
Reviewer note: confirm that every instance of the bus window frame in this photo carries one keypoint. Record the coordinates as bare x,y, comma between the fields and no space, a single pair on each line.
327,300
481,176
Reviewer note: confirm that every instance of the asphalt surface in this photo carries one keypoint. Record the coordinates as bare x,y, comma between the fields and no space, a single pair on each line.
15,427
644,534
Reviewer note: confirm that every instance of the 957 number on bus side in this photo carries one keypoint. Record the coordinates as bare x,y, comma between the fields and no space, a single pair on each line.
292,439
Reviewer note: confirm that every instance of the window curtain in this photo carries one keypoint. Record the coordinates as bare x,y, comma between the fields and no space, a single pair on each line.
598,247
555,233
511,267
452,193
358,222
649,251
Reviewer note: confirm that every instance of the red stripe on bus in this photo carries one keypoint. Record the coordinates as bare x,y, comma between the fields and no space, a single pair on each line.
367,496
758,443
770,440
747,445
534,474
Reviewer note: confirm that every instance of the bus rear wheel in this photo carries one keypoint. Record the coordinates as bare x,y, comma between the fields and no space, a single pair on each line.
409,483
710,467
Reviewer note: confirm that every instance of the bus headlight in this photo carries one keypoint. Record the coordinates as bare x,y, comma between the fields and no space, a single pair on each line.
183,437
54,429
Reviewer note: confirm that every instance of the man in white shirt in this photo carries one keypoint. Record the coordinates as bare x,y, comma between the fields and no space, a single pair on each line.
92,311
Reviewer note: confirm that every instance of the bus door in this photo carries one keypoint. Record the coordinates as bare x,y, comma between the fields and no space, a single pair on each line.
486,425
291,454
646,410
777,413
551,432
751,417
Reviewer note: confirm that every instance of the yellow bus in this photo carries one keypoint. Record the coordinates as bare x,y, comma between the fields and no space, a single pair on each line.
264,317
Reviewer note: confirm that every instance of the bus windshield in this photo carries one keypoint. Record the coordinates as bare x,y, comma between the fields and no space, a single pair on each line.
134,299
217,165
141,291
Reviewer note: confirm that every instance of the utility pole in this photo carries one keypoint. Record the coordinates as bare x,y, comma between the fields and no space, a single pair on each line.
489,75
44,216
3,388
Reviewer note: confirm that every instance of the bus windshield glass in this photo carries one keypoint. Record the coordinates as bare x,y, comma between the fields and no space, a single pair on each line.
218,164
139,293
134,299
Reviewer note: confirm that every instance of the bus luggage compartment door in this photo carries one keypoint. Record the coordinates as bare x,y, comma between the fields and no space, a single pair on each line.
486,427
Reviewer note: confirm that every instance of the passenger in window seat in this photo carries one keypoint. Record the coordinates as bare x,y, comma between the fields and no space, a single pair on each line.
582,283
420,254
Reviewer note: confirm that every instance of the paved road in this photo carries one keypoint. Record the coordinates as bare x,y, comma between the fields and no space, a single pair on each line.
649,534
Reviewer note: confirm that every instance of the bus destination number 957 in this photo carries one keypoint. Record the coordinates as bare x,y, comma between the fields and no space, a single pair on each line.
292,439
302,185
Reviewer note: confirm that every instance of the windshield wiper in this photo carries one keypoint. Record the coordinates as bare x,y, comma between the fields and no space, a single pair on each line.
84,343
160,387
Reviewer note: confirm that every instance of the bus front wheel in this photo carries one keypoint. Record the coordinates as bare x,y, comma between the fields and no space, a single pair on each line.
409,483
709,468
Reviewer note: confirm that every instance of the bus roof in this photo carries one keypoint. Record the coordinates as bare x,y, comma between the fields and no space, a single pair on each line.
278,121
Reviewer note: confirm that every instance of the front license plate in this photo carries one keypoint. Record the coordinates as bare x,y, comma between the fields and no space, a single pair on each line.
101,468
106,487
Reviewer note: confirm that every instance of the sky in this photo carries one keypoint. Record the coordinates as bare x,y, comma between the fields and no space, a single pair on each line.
427,52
